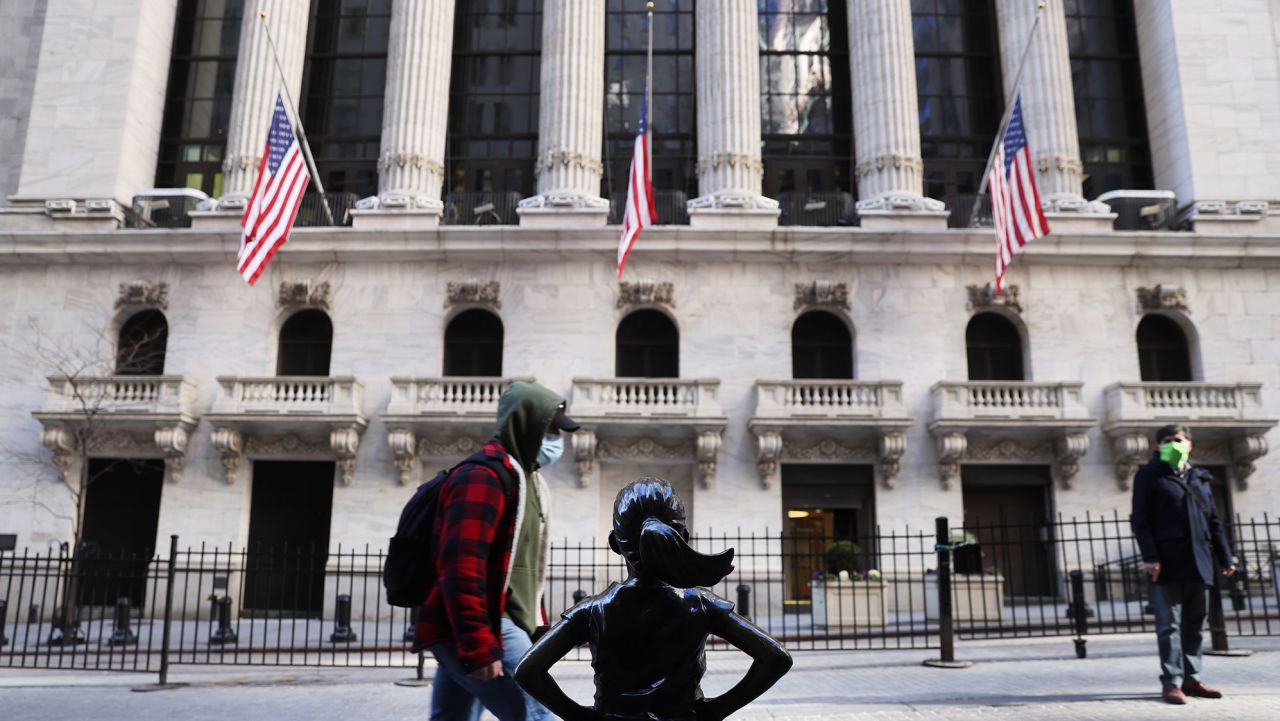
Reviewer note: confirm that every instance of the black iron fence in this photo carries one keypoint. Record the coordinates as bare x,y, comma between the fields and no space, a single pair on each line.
481,208
817,209
891,590
672,207
311,210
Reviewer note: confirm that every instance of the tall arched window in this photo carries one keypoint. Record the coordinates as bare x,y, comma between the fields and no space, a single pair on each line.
306,341
197,104
961,102
493,99
141,345
995,349
674,130
1110,107
1163,352
473,344
805,98
345,80
821,347
648,346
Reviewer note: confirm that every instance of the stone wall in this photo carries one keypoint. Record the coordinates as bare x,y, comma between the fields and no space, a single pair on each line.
21,26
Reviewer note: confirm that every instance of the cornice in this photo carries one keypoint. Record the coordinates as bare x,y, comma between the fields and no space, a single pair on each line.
669,244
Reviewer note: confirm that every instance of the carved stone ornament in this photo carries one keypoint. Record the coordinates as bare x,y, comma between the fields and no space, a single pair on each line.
142,292
1009,450
584,455
892,446
474,292
59,442
768,457
1163,297
951,448
304,293
230,446
404,447
646,291
432,448
1068,450
827,450
120,443
708,447
172,442
983,297
1244,451
345,442
822,293
286,445
1129,450
644,449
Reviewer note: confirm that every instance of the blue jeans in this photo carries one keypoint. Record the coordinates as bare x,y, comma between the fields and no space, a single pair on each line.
1180,609
455,696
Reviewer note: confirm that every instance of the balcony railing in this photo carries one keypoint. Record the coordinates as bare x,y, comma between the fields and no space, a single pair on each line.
1184,401
969,211
672,207
646,397
164,207
132,395
311,211
1008,400
828,399
817,209
481,209
289,395
447,397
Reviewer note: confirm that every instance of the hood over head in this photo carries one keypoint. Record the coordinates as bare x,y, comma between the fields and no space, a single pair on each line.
525,412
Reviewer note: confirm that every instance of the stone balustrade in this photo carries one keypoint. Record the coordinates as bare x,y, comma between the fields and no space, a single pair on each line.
289,395
456,397
1183,402
1008,400
828,399
646,398
132,395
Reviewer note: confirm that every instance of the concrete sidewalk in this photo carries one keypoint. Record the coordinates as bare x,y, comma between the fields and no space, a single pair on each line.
1011,679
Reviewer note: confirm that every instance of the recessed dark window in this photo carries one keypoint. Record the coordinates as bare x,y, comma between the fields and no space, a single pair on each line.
140,348
805,97
473,345
821,347
674,130
197,105
306,341
994,348
493,97
1163,354
344,83
960,92
1110,109
648,346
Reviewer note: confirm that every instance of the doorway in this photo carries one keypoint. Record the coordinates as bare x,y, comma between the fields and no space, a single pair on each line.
1007,509
291,505
121,515
823,504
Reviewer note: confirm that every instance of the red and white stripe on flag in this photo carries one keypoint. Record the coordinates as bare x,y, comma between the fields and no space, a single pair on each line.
640,212
1015,201
277,194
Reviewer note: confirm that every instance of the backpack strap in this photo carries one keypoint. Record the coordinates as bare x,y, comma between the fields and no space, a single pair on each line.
1195,496
494,464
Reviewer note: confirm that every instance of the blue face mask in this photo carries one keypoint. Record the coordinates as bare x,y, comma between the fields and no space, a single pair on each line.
551,450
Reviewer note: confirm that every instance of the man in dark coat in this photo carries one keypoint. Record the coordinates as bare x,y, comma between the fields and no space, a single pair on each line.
1180,537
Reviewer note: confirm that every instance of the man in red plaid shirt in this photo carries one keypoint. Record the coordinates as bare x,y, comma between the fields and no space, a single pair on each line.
492,531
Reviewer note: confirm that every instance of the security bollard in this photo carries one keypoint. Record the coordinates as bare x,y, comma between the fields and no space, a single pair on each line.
342,632
1078,615
578,595
413,621
744,600
224,633
33,614
123,634
4,614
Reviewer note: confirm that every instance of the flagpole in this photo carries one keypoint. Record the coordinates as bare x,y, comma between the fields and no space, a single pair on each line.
297,120
648,98
1008,104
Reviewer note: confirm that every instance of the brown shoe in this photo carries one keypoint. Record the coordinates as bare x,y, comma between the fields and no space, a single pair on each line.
1192,687
1173,694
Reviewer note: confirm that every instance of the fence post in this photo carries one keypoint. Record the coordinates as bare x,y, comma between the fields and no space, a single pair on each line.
946,630
1078,615
1218,625
171,574
744,600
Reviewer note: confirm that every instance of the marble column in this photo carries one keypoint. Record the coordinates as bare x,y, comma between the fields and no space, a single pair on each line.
886,115
257,83
570,117
1048,102
730,169
416,108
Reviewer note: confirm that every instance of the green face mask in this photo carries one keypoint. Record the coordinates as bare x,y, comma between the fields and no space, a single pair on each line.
1175,453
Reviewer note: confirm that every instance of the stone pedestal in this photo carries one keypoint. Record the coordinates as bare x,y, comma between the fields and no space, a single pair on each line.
403,220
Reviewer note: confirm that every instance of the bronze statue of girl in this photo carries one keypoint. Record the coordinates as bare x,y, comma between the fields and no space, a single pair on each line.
648,634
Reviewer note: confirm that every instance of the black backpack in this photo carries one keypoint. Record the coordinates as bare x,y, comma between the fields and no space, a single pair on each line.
409,572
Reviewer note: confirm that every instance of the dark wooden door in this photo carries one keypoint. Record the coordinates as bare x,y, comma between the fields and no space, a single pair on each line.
1007,509
292,502
121,513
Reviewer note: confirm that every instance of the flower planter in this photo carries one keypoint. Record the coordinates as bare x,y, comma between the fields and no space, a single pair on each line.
973,598
848,604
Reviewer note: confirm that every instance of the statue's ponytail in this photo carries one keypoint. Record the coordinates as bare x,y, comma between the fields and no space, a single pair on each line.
648,530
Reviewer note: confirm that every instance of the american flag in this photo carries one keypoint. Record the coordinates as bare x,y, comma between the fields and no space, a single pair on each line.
282,178
1015,202
640,212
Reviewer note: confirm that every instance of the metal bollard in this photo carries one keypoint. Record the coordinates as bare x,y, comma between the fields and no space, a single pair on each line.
33,614
342,632
1078,615
123,634
4,613
224,633
578,595
946,628
413,621
744,600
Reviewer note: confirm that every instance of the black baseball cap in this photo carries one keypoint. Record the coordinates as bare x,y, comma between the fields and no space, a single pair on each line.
564,422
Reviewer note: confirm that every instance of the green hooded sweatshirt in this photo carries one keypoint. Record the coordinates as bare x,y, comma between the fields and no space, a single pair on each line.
525,412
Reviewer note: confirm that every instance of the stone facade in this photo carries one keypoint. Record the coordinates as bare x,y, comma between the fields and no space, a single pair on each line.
21,29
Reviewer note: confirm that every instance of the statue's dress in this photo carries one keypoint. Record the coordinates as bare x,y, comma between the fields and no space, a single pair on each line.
648,648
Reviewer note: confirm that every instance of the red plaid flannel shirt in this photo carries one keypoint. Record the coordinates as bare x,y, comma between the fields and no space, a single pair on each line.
475,526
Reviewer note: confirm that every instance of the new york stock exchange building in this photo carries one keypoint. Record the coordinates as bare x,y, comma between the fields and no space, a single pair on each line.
808,343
